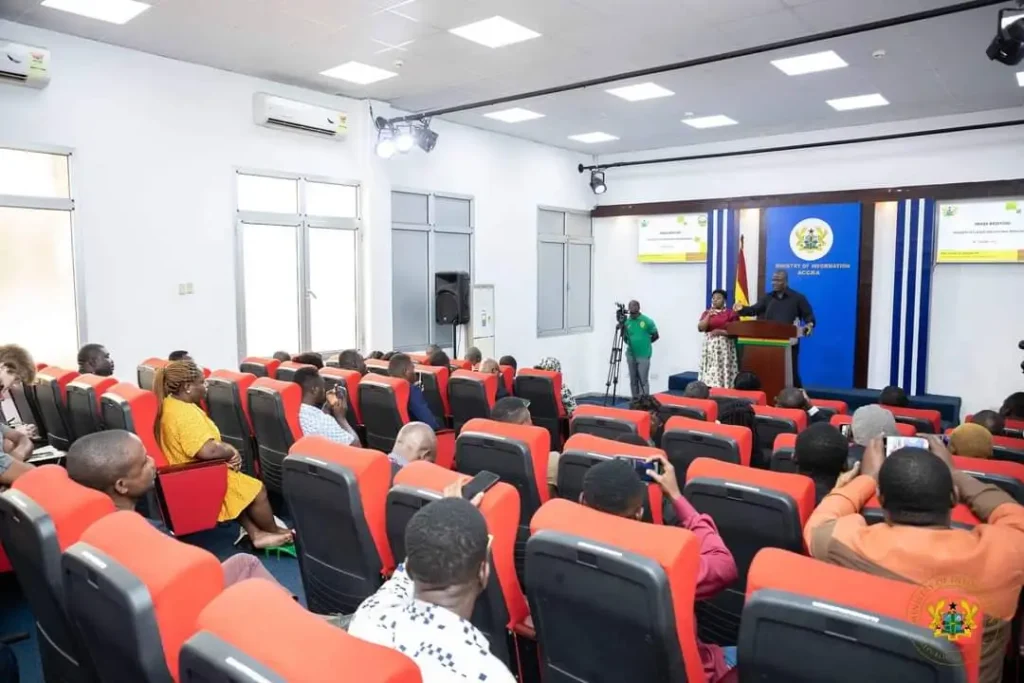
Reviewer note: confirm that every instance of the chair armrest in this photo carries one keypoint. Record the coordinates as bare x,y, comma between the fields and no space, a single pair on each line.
193,494
446,448
189,466
525,628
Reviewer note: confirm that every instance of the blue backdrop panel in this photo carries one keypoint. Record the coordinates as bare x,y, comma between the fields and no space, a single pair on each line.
819,246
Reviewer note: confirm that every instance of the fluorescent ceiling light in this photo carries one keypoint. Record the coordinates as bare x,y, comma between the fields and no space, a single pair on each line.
114,11
357,72
640,91
808,64
858,102
591,138
515,115
1020,78
716,121
494,32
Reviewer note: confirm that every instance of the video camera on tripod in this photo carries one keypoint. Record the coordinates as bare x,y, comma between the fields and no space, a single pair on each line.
620,312
611,385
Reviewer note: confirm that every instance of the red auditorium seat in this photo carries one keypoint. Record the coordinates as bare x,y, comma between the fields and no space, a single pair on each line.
684,440
336,495
259,366
434,381
384,403
51,392
83,402
40,366
501,609
461,364
610,423
25,401
612,598
1008,448
782,453
134,594
146,372
377,366
192,493
838,421
418,357
773,421
274,408
1014,428
471,395
855,626
1008,476
41,516
753,509
680,406
227,402
583,451
756,397
832,407
231,644
923,421
508,376
286,370
543,389
350,380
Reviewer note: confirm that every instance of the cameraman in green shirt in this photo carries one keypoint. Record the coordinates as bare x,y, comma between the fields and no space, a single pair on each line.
640,333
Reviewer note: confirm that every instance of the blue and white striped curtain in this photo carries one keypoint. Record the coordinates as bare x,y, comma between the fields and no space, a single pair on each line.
912,289
723,244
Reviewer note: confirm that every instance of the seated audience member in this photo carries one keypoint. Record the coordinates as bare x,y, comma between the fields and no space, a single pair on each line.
310,358
553,365
917,490
894,396
323,413
282,356
1013,406
697,389
509,361
796,399
820,454
115,462
971,441
375,355
424,610
650,405
990,420
746,381
349,359
474,356
178,355
16,447
431,349
870,422
389,355
613,487
512,410
95,359
490,367
16,367
401,366
439,359
186,433
415,441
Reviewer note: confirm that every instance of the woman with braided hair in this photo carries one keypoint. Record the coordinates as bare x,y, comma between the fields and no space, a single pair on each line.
185,433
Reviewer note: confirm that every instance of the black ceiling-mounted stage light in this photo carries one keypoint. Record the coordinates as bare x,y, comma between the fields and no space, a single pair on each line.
385,147
427,138
597,183
1008,45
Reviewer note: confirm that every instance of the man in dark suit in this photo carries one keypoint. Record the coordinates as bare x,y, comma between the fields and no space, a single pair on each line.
783,305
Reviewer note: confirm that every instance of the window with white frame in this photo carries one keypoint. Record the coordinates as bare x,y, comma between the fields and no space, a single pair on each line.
298,264
565,250
39,306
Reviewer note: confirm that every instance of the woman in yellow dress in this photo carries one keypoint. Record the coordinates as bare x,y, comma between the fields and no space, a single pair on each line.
185,433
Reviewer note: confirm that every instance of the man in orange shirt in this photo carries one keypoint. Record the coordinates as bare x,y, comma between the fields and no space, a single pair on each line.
918,490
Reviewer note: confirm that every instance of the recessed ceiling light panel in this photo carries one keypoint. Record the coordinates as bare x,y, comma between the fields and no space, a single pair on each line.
515,115
359,73
858,102
808,64
716,121
640,91
495,32
1020,78
591,138
113,11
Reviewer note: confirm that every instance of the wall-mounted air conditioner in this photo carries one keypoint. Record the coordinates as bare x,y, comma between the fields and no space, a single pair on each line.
24,64
277,112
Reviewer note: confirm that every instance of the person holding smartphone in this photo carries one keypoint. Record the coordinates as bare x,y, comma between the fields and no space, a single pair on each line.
323,413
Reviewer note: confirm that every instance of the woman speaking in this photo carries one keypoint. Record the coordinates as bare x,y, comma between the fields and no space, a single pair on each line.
718,364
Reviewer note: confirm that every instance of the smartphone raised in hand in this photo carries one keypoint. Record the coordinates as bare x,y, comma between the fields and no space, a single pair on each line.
482,482
895,443
643,468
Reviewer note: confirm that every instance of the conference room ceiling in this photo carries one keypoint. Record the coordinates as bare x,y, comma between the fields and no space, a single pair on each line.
929,68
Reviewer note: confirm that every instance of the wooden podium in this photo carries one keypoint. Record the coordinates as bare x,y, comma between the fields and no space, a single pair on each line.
765,351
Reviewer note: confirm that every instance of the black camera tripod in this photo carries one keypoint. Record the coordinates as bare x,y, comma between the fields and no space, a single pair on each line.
611,385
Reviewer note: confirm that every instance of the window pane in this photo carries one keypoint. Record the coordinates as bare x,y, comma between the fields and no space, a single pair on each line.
579,285
452,212
451,253
550,284
577,224
270,264
332,280
407,207
551,223
38,305
326,199
274,195
34,174
410,289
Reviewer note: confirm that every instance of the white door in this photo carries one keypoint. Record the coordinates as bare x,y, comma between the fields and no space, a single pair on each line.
483,319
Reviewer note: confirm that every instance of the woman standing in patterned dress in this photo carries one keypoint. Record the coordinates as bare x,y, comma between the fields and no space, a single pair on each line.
718,364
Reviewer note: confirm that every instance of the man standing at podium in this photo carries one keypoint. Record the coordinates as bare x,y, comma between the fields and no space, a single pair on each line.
783,305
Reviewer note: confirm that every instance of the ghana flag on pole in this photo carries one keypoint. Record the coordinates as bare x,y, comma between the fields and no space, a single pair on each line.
740,295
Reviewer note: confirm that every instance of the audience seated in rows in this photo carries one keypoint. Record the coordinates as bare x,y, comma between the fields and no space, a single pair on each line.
746,381
474,356
738,413
510,361
94,359
350,359
820,453
990,420
439,359
871,422
375,355
552,364
490,366
697,389
185,434
415,441
282,356
424,610
323,413
115,462
16,448
917,490
401,366
894,396
613,487
179,355
16,367
796,399
971,441
310,358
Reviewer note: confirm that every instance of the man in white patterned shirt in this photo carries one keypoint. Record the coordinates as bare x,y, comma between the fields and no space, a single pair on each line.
423,611
313,418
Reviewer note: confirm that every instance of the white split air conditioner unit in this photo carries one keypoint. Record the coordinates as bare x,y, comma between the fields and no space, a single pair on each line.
24,64
277,112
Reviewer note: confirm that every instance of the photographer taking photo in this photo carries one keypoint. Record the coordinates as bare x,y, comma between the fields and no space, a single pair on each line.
640,333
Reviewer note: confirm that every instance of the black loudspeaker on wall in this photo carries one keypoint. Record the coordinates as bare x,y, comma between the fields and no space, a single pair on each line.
451,298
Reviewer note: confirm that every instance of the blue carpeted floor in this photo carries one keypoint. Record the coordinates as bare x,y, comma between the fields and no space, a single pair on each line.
15,616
